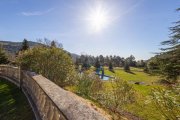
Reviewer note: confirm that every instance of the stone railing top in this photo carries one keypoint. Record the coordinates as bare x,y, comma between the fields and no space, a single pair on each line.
72,106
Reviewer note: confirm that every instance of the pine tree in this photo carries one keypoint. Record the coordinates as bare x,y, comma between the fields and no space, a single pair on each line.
110,66
97,64
25,45
169,59
126,66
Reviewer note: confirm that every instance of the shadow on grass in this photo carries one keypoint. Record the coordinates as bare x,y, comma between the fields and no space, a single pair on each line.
13,103
112,70
130,72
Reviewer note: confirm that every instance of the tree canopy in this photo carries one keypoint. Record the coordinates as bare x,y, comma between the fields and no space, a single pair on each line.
25,45
53,63
168,61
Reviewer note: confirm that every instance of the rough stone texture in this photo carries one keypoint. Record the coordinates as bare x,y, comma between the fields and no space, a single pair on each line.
72,106
49,101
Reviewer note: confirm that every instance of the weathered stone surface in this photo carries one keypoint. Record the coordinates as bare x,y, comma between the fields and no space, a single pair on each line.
49,101
72,106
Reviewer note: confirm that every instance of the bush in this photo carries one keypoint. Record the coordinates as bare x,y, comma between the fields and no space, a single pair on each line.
53,63
88,85
167,102
117,95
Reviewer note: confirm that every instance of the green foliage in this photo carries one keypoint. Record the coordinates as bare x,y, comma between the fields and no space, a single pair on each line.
121,94
97,64
88,85
53,63
140,63
117,96
110,66
153,66
168,61
167,102
25,45
3,57
126,66
131,61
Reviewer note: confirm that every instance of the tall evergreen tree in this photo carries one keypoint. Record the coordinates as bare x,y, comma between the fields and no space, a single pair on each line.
110,66
126,66
97,63
169,59
25,45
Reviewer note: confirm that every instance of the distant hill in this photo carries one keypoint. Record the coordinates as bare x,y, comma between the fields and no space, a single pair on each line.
13,47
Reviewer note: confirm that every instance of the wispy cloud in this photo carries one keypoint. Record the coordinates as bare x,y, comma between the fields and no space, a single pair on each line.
37,13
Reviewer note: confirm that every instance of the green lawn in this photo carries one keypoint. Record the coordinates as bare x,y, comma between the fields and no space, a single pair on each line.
140,108
13,103
136,75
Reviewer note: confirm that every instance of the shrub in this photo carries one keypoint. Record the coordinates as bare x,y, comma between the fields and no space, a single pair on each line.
167,102
118,94
88,85
53,63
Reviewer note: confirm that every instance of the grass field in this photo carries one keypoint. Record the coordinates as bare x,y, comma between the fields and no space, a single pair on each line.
140,108
13,103
136,75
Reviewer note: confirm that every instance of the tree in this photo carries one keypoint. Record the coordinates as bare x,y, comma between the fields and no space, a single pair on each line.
50,43
140,63
53,63
53,43
168,60
101,60
97,64
131,60
25,45
110,66
85,64
3,57
126,66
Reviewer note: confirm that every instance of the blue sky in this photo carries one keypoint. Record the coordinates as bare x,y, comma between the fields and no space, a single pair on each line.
134,26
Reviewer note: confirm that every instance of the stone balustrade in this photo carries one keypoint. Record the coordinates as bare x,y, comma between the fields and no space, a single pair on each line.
49,101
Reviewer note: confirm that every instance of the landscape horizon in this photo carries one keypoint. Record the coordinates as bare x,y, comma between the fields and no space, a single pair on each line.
89,60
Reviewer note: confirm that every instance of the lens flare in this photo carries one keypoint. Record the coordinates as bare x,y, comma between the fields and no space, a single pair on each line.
98,18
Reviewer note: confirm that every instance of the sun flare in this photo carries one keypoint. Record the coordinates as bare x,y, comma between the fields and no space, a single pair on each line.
98,19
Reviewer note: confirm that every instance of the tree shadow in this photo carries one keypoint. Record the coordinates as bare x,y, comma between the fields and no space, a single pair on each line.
13,103
130,72
112,70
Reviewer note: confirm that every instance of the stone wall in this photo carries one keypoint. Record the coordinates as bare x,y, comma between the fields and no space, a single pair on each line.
49,101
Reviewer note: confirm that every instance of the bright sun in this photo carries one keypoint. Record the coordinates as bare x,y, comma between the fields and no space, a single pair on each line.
98,19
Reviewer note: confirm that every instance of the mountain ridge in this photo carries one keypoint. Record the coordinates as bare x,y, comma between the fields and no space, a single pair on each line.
13,47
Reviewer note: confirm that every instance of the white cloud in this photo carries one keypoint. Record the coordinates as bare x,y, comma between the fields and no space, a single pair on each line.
37,13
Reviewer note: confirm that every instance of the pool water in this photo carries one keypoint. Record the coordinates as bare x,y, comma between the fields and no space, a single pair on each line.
104,77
